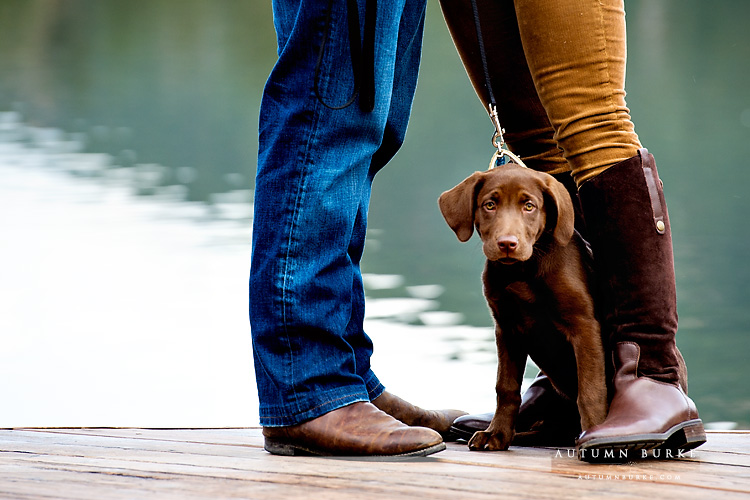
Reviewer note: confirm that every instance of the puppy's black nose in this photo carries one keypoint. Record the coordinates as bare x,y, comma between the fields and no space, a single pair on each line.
507,243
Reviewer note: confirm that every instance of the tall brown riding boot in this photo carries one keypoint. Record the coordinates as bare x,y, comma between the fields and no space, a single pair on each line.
628,227
359,429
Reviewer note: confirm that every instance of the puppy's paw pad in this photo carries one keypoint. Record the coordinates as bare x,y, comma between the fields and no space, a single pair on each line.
487,441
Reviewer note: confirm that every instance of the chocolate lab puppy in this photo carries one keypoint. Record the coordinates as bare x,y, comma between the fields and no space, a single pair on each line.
538,283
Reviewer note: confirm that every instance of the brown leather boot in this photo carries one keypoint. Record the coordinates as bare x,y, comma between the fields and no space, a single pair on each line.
628,227
644,415
438,420
545,418
359,429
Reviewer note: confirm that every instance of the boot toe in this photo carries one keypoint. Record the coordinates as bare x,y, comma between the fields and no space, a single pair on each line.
438,420
465,426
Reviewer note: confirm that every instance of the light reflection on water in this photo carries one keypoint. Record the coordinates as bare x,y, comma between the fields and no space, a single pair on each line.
121,310
159,344
131,309
160,111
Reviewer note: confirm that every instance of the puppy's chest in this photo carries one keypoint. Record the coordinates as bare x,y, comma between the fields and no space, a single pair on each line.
519,301
520,291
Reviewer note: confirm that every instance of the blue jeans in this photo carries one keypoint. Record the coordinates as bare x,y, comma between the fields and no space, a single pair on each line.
315,169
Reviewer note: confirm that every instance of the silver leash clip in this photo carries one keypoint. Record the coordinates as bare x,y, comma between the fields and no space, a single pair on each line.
503,155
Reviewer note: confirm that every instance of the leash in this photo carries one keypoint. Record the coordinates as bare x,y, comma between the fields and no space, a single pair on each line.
503,155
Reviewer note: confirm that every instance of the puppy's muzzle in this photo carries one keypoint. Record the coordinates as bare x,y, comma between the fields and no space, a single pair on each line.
507,246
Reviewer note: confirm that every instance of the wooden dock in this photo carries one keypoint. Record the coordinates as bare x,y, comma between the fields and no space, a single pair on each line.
102,464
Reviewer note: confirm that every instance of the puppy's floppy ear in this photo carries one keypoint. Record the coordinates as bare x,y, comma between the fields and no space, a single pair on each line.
556,195
457,206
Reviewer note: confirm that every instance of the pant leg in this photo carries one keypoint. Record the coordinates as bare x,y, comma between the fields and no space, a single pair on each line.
576,51
312,190
529,133
403,78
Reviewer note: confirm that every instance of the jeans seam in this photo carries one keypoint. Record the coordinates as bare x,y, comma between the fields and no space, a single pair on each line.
291,241
305,161
333,401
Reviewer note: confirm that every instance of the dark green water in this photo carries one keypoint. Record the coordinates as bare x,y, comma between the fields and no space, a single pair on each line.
177,83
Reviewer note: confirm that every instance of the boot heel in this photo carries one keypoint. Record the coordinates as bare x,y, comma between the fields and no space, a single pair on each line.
279,448
690,436
695,434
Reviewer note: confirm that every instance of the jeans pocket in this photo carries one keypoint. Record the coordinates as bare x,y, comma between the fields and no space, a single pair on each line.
339,58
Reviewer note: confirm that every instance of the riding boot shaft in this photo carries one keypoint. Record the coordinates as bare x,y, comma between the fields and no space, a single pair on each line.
629,230
628,226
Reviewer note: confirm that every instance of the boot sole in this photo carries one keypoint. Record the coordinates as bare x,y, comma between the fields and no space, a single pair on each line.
673,443
458,433
286,449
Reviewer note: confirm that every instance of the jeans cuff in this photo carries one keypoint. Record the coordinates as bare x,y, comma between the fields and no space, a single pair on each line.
325,402
374,387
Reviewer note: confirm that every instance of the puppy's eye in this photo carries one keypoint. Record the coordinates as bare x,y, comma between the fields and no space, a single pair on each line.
489,205
528,206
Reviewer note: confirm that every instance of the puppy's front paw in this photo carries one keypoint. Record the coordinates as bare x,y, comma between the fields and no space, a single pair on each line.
489,441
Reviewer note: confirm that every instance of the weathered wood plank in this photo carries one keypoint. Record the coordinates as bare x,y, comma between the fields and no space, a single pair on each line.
231,436
351,484
230,463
